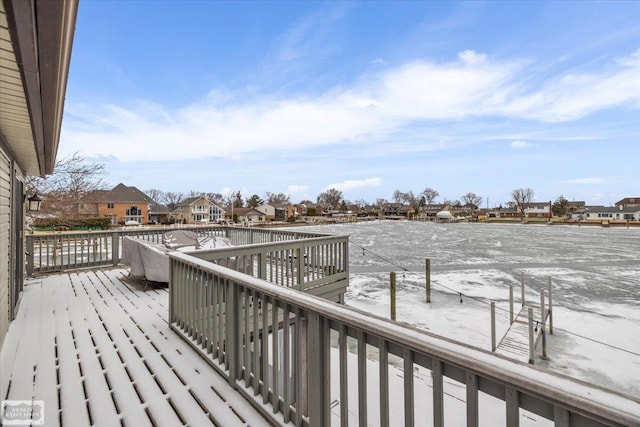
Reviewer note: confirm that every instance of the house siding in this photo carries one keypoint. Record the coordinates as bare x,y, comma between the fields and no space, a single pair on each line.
119,211
5,244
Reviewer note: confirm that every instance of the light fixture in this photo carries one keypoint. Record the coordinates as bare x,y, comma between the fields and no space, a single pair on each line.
34,203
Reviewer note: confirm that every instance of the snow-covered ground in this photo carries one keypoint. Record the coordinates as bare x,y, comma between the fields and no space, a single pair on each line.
595,274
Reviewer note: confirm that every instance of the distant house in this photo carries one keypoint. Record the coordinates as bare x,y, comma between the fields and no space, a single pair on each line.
397,210
501,212
538,210
276,211
249,215
195,210
628,202
607,213
128,205
430,212
575,205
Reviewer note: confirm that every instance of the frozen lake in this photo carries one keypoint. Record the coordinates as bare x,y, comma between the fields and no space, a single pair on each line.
595,274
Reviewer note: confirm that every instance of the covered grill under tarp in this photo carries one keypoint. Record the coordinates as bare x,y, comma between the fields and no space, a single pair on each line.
150,261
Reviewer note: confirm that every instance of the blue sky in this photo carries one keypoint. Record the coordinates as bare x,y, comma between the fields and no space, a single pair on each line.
365,97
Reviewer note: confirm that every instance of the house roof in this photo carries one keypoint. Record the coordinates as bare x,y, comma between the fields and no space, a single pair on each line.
36,52
247,211
629,201
437,207
608,209
191,200
124,194
538,204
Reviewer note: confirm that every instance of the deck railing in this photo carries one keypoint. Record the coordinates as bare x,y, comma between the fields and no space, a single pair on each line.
316,265
71,250
307,361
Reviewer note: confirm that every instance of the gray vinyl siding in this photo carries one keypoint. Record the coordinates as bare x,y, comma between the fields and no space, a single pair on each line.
5,244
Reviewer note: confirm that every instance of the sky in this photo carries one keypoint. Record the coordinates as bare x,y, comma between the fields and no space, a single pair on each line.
363,97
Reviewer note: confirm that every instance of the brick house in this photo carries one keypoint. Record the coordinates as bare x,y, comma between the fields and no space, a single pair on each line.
128,205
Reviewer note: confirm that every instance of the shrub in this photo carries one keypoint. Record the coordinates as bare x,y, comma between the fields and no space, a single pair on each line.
72,223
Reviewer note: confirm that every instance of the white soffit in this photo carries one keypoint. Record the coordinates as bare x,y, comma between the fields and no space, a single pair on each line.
15,121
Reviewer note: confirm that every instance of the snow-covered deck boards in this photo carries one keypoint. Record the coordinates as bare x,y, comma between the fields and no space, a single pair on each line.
515,343
99,351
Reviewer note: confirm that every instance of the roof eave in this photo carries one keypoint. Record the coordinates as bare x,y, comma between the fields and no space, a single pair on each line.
42,35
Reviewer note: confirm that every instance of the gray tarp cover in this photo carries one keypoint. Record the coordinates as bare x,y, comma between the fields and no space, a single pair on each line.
151,260
146,259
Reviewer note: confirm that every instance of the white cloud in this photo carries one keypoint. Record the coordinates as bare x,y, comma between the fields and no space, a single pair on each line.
589,180
298,190
351,184
394,100
471,57
520,144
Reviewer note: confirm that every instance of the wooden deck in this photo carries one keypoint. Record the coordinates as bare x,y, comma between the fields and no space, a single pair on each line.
515,343
98,351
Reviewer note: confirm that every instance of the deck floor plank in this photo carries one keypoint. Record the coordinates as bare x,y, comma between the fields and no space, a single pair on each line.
118,362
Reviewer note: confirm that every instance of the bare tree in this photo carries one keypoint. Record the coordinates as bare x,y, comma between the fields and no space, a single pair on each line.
331,197
361,203
237,200
472,201
277,198
74,180
156,195
399,196
429,195
414,201
171,199
216,198
522,197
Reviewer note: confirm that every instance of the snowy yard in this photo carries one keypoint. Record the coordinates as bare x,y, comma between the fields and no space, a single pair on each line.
595,274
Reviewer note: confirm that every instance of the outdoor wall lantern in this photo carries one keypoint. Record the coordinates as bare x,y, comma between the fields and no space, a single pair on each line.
34,203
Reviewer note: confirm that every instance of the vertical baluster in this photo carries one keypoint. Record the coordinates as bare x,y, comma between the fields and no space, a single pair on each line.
256,350
275,394
409,404
472,400
512,407
287,366
247,337
300,347
344,375
362,378
438,393
384,382
264,341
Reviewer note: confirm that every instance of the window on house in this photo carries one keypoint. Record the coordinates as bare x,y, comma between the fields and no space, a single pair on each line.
110,205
